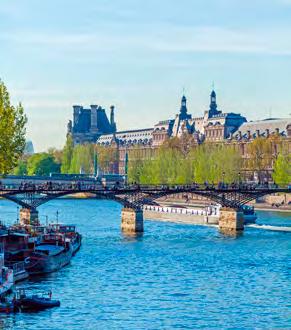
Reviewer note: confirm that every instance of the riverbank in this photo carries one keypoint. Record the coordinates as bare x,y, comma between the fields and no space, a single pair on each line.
267,207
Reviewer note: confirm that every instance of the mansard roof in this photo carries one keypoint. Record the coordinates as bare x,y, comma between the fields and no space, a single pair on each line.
273,125
138,136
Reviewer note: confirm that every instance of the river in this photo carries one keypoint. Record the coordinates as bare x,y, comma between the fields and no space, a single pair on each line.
173,277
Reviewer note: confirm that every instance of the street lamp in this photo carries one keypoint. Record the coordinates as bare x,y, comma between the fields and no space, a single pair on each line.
126,166
239,178
223,175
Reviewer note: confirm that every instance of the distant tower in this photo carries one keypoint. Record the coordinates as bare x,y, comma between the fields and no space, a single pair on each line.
213,105
76,113
112,122
94,118
183,110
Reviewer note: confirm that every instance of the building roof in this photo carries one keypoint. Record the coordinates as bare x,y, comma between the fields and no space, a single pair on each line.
138,136
271,124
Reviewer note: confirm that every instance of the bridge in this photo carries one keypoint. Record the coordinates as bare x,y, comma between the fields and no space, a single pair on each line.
233,198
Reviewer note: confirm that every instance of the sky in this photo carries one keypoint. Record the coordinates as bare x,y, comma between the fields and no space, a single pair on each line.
140,56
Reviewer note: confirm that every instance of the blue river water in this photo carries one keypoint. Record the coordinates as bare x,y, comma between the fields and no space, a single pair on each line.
175,276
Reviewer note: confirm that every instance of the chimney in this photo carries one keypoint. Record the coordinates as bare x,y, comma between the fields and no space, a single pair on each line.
76,112
112,122
93,117
267,132
258,133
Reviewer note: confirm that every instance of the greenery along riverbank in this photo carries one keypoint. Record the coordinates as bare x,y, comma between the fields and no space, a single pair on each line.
176,162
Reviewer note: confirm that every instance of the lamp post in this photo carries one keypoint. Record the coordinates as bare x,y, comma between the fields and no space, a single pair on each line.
126,166
223,175
239,178
95,164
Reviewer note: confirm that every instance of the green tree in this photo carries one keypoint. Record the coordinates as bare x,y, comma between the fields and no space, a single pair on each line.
12,131
42,164
215,163
107,157
21,168
82,159
260,156
282,169
67,155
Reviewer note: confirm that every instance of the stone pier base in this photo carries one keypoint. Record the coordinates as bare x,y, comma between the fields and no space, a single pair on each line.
231,221
29,217
131,221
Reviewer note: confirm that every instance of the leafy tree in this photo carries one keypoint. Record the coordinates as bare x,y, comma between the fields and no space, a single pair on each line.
12,131
42,164
215,163
57,155
82,159
21,168
107,158
282,169
260,156
67,155
175,165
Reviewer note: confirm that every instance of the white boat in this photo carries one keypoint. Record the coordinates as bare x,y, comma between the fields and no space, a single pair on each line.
207,211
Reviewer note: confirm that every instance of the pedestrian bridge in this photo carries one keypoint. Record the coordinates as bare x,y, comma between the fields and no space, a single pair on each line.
133,197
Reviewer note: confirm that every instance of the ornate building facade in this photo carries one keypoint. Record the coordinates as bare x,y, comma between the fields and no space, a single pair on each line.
215,126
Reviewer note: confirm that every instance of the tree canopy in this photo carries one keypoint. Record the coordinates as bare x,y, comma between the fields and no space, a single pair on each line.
12,131
282,169
67,155
260,156
173,164
42,164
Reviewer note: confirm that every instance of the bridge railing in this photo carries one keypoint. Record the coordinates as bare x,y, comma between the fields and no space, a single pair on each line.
84,186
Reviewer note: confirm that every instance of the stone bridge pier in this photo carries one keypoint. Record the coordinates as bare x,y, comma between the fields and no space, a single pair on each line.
131,221
29,217
231,221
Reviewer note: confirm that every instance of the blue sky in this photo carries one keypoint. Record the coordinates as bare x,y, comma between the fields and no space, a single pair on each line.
139,55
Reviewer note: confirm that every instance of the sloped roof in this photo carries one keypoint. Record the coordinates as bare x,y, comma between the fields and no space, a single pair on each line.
272,124
132,136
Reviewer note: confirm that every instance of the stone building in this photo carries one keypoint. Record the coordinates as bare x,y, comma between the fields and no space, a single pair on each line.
278,133
89,124
215,126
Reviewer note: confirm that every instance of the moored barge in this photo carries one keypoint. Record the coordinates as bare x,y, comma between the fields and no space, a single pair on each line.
54,252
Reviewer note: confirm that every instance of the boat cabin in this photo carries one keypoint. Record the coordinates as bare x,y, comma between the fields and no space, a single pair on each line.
14,241
61,228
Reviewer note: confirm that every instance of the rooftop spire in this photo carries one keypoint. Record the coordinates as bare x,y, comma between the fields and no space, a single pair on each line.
183,109
213,105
